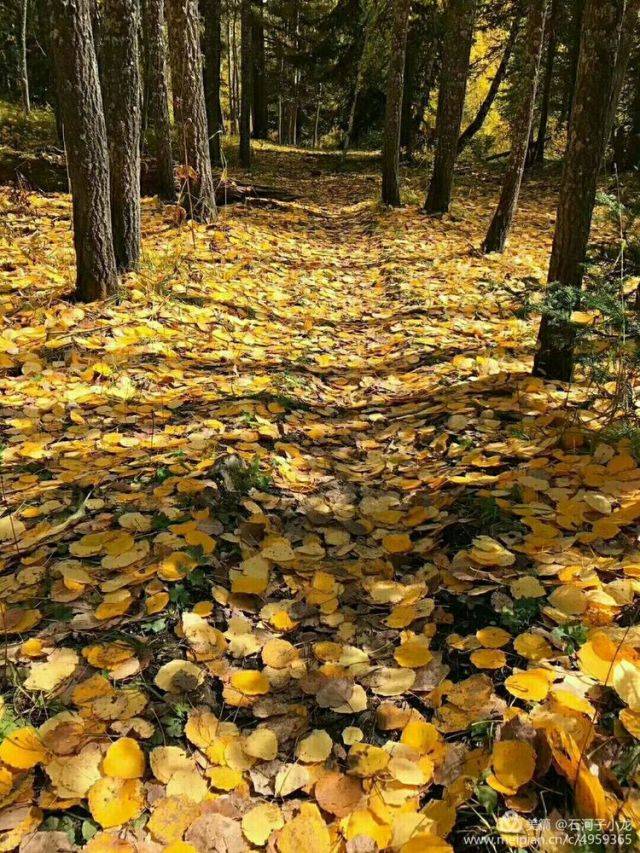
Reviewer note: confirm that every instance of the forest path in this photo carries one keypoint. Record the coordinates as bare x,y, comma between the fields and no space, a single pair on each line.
288,426
329,339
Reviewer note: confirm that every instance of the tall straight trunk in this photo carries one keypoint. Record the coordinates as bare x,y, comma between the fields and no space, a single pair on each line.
602,30
483,111
316,123
24,69
574,56
429,79
57,114
521,132
552,43
198,192
393,109
233,113
246,75
122,106
45,38
346,140
259,103
235,84
280,65
459,24
629,27
211,13
631,159
156,91
96,11
80,102
410,86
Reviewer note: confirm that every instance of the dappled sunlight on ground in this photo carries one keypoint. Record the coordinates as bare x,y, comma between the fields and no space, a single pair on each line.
291,519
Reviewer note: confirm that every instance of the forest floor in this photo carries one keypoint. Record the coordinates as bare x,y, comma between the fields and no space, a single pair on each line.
294,550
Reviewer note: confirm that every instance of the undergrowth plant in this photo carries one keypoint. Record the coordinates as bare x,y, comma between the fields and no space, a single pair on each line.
605,320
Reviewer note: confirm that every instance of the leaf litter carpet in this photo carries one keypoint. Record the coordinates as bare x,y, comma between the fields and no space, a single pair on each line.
295,554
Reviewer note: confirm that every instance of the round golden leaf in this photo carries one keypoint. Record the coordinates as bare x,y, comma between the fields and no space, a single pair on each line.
113,802
250,682
315,747
124,760
514,763
260,821
531,685
488,659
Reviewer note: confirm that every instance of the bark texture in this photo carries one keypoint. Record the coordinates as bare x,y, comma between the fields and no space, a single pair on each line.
211,13
196,180
602,30
157,95
393,109
483,111
80,102
122,106
575,9
521,131
410,88
246,81
459,24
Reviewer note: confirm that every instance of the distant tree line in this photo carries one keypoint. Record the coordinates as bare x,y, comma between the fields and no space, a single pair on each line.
169,77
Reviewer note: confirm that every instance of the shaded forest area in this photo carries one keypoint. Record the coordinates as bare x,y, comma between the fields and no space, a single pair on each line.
319,438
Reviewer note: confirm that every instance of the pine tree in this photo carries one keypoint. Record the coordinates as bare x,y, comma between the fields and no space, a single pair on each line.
156,96
198,193
527,85
80,101
459,25
122,101
602,30
246,74
211,13
393,110
537,155
259,105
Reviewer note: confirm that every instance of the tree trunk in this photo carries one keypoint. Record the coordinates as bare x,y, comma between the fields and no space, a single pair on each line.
631,159
294,115
346,139
156,90
459,24
259,104
483,111
231,59
212,54
246,84
121,92
537,155
409,93
595,80
574,55
96,11
24,71
429,78
45,36
316,124
629,26
521,132
393,109
87,156
197,194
